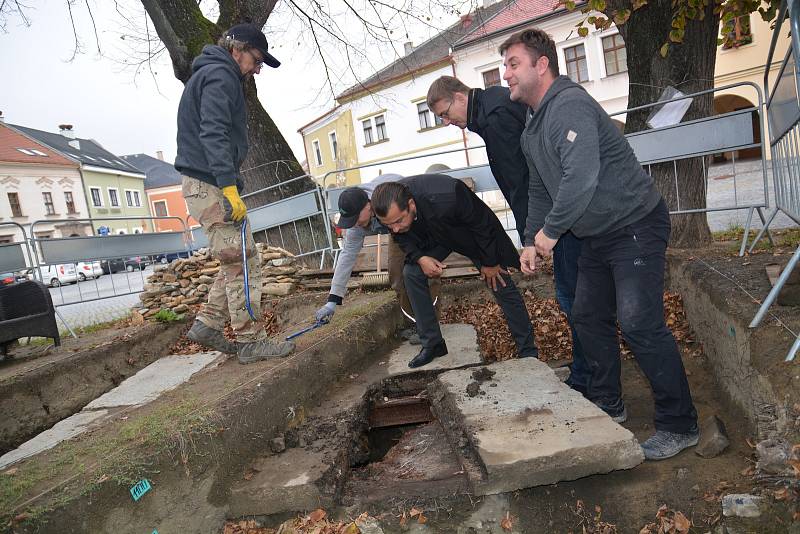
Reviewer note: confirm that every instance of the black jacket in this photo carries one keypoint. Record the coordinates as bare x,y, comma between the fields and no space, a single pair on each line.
449,215
500,122
212,120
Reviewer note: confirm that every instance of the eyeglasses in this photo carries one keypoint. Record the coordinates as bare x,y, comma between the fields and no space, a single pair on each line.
445,114
259,62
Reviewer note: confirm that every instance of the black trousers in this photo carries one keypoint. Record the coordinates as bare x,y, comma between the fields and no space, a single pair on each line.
621,279
509,298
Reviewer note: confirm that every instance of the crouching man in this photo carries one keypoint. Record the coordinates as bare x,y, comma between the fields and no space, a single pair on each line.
432,215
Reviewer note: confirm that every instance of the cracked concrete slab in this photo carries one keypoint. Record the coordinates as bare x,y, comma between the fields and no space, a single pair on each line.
462,350
525,428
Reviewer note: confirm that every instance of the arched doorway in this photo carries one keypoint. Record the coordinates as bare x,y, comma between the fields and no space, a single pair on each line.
727,104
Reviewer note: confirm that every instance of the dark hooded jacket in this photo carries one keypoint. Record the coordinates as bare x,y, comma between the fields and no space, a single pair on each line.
584,176
212,120
451,216
492,115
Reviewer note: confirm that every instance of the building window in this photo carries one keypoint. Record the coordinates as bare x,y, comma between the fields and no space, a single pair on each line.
70,202
491,78
16,209
113,197
317,152
133,198
334,145
615,54
738,35
380,127
49,207
97,200
160,208
424,114
575,58
367,124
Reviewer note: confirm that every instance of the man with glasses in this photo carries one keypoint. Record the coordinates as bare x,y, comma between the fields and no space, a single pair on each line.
499,121
212,144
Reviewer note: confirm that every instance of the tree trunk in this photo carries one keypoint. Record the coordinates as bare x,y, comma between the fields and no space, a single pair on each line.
184,31
689,67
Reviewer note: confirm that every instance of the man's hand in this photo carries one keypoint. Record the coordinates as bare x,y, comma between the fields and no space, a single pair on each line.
493,276
544,245
432,267
325,313
527,260
238,209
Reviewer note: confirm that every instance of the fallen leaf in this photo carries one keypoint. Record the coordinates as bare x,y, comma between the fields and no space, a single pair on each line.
421,519
317,515
11,472
682,523
414,512
506,524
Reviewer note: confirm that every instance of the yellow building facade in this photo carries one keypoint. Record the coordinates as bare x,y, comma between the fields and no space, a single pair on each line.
330,146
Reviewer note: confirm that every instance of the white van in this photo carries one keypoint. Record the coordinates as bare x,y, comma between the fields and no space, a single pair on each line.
56,275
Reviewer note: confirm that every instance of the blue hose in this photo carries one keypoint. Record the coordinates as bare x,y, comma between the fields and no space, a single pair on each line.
246,272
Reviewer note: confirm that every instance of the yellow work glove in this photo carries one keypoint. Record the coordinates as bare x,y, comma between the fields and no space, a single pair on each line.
234,207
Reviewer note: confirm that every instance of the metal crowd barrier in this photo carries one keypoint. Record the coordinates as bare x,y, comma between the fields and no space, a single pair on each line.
112,250
783,112
15,257
301,208
700,138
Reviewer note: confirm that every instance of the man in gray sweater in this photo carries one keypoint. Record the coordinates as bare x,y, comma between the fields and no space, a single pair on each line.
584,178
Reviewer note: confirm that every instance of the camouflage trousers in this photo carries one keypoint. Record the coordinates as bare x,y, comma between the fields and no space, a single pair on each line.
226,298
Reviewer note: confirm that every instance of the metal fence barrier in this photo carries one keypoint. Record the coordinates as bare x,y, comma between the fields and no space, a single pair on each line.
701,138
51,259
15,257
783,112
300,209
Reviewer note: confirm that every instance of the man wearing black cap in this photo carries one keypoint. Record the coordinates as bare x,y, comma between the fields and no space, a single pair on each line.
212,144
358,221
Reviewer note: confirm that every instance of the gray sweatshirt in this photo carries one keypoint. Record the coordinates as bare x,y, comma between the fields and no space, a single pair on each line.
354,241
584,176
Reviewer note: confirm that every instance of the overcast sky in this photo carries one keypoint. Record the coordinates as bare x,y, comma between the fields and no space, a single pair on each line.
41,88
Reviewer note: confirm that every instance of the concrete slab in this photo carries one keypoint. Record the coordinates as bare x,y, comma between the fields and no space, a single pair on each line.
527,430
286,482
160,376
143,387
61,431
462,347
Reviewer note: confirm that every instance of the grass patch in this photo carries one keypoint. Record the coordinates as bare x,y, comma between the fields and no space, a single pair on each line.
784,238
165,315
80,331
123,453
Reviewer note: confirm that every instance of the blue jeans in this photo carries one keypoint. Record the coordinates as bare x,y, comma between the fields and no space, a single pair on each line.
565,270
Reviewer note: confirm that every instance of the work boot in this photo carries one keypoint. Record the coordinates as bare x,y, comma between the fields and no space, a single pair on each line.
663,444
210,338
426,355
263,349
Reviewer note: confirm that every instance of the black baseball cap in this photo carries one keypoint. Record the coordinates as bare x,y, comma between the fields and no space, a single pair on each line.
351,202
252,35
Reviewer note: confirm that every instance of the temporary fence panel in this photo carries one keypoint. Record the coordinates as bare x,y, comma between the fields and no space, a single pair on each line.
783,112
13,256
701,138
301,208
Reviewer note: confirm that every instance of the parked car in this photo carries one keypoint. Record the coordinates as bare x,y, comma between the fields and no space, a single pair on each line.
89,269
56,275
124,264
7,279
172,256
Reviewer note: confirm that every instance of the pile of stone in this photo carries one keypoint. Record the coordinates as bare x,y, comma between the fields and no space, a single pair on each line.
187,281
